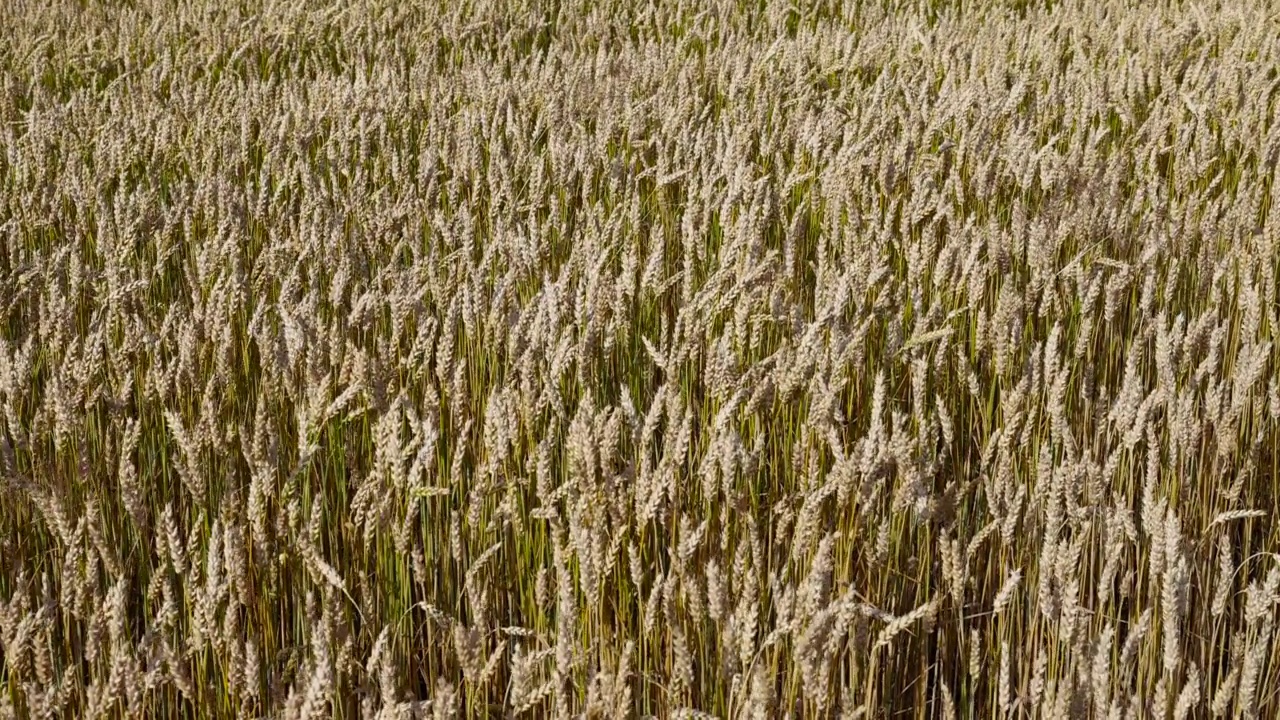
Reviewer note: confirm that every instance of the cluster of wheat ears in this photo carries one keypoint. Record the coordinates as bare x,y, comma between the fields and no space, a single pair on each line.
609,359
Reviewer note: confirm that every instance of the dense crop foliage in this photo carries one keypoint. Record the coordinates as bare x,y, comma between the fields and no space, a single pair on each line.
577,359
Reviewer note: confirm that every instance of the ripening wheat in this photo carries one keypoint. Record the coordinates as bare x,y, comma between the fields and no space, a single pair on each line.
616,359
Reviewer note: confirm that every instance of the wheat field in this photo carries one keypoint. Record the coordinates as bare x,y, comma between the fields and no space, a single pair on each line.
610,359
